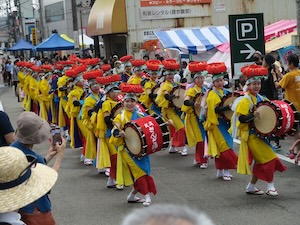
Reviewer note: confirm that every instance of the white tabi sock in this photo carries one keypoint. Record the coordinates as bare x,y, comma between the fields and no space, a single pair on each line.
250,187
271,186
226,173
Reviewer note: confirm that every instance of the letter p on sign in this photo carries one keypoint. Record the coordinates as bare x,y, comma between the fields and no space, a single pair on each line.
247,29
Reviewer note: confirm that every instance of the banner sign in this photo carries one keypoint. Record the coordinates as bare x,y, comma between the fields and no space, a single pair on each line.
285,52
150,3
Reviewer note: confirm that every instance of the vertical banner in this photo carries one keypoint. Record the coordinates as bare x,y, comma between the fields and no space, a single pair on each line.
33,36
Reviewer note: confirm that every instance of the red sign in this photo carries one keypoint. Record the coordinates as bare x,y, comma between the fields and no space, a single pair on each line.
145,3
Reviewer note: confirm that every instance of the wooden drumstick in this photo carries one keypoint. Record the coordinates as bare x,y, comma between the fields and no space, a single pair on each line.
167,120
119,129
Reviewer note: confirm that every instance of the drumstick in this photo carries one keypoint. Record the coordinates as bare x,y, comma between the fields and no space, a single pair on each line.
167,120
119,129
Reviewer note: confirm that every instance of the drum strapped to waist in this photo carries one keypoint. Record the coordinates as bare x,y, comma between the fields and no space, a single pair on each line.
180,92
198,98
276,118
227,100
146,135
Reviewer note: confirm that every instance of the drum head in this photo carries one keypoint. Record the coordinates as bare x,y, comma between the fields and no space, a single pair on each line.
117,110
267,121
133,141
178,102
197,109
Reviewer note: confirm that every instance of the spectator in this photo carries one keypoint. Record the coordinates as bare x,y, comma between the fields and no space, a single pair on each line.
15,79
268,88
27,183
31,129
290,82
8,73
37,61
20,183
166,214
145,57
7,135
258,58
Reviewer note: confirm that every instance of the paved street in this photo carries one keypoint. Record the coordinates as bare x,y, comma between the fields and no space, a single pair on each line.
80,196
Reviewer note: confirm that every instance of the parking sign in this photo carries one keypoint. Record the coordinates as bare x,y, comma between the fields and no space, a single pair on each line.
246,37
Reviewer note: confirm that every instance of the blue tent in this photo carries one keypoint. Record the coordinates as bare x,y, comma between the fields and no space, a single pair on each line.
54,43
21,45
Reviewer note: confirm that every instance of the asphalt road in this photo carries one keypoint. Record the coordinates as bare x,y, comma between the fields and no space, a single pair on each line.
80,195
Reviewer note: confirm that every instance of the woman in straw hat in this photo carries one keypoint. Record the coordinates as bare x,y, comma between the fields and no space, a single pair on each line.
31,129
266,161
20,184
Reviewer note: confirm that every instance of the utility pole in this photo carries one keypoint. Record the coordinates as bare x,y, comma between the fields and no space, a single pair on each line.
20,18
296,38
41,21
74,14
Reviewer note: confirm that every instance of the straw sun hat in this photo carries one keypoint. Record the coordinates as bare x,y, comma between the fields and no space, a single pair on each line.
16,190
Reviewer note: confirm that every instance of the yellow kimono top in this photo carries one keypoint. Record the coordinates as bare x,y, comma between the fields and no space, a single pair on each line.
160,99
21,77
107,106
134,79
44,88
261,152
26,84
61,82
33,88
192,93
75,93
145,97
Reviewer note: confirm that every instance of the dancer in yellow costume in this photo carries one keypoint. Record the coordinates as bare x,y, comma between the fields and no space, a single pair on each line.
220,142
127,67
90,105
148,97
266,161
194,129
78,132
33,89
27,100
21,78
45,99
163,100
137,77
130,170
107,152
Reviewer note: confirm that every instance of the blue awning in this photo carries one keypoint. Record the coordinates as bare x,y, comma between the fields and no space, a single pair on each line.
194,41
21,45
54,43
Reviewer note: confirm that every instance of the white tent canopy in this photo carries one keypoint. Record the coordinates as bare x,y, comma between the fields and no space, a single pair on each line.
87,40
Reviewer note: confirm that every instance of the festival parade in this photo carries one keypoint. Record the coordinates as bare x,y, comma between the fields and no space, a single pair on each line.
199,125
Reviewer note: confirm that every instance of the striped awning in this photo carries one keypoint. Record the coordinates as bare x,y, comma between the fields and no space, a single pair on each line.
194,41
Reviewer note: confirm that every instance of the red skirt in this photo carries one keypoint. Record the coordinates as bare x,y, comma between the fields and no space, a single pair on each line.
266,171
227,160
145,185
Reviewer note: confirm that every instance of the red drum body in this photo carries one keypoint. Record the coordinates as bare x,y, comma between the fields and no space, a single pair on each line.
276,118
178,102
119,107
146,135
226,100
197,109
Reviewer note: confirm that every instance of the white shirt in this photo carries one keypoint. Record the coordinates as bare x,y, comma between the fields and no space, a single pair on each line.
12,218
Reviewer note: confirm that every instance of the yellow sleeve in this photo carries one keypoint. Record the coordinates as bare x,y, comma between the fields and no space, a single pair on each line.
117,141
188,109
88,104
106,107
213,100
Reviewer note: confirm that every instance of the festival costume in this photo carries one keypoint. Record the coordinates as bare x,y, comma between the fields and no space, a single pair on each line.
106,152
220,142
63,117
179,137
266,161
130,170
85,115
135,79
195,132
45,100
34,93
